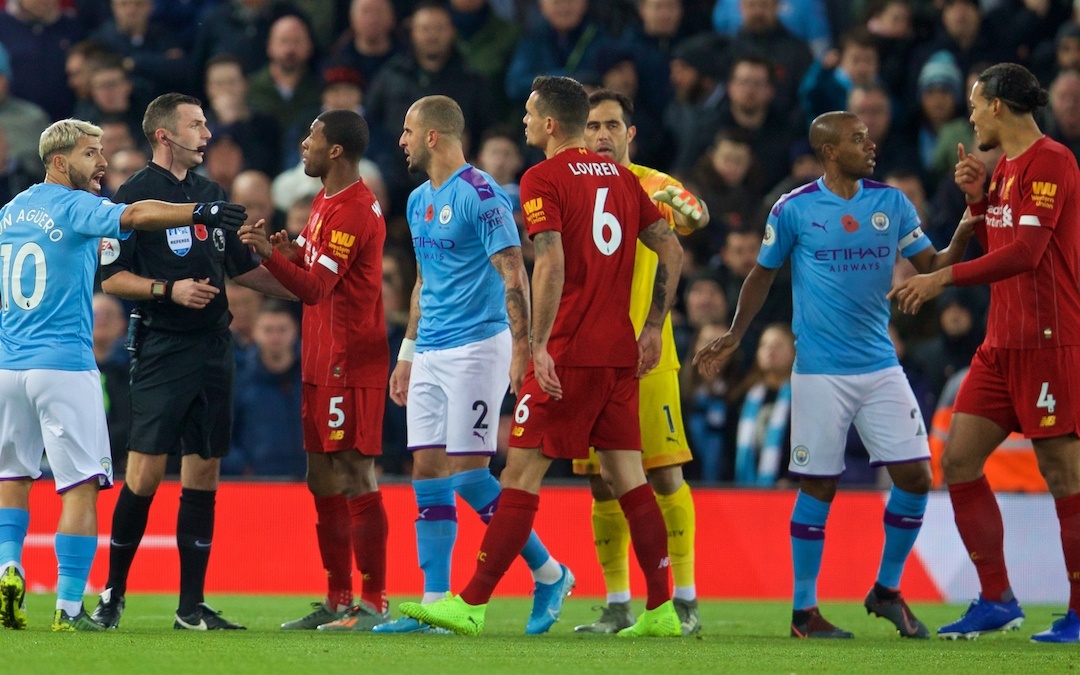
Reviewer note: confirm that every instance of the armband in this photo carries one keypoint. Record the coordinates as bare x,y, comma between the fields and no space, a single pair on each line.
408,349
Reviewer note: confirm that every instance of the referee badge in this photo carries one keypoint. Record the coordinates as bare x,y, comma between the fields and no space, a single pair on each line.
179,240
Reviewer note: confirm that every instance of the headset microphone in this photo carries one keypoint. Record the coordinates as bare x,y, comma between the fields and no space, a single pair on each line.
169,140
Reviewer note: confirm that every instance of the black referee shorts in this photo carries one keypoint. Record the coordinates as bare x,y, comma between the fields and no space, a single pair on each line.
181,394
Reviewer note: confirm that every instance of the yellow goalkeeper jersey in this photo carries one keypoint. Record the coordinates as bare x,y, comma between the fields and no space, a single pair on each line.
645,262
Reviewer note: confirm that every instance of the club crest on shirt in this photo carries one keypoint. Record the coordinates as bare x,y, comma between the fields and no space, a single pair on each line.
179,239
879,221
219,239
109,250
445,215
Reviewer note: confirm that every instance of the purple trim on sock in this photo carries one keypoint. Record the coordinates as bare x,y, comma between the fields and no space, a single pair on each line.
902,522
809,532
98,477
440,512
814,475
902,461
478,453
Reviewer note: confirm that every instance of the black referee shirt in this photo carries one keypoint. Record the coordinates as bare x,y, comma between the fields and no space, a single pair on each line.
189,252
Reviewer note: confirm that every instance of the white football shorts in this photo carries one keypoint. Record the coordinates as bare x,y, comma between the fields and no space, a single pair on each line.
61,414
880,404
455,395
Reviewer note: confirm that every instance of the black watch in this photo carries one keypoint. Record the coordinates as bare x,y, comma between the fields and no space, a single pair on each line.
159,289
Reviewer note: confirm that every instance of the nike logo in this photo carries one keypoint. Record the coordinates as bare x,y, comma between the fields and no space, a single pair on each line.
199,543
113,542
815,529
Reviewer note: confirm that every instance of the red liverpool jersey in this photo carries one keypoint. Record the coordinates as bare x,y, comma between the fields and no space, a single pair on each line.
599,208
1041,308
338,277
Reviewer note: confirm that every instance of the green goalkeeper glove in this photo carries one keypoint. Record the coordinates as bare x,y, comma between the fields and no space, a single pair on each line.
681,200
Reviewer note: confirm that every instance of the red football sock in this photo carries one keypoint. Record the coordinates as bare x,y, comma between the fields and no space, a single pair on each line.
978,519
505,537
1068,511
649,536
332,530
369,529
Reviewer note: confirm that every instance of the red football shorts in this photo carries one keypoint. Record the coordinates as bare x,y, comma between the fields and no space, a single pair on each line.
599,407
342,418
1026,390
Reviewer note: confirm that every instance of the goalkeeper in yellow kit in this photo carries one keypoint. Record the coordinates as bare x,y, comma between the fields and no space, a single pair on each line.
609,132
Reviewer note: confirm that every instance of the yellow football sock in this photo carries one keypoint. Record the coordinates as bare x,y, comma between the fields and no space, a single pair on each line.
678,510
611,535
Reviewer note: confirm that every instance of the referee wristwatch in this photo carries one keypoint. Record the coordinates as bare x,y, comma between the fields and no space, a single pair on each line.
159,289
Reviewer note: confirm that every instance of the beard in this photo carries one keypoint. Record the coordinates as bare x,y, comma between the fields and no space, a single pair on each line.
82,181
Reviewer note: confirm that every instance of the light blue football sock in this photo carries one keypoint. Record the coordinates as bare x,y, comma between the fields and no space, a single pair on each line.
807,543
903,520
13,526
436,531
481,491
74,557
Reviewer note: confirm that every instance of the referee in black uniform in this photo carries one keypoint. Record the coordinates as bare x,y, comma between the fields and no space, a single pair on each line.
182,365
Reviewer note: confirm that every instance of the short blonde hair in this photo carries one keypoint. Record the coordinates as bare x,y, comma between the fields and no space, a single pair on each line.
62,137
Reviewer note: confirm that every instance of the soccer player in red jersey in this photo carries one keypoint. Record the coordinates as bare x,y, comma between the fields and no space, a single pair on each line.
335,268
583,212
1022,377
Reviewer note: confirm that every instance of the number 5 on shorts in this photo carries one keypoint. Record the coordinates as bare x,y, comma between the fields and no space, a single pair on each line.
337,415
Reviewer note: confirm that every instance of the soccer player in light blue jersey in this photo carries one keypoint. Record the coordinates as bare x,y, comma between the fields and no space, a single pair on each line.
49,383
842,234
467,340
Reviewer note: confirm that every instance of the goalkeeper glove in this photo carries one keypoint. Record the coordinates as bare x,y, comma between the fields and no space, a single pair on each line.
219,214
681,200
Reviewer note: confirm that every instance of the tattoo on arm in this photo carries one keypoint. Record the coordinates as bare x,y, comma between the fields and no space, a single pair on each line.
413,326
548,277
660,288
654,235
511,268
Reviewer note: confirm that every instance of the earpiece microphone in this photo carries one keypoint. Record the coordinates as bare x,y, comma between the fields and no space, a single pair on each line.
169,140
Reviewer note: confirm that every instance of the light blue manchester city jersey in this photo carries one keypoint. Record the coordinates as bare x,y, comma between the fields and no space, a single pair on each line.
455,230
842,256
49,237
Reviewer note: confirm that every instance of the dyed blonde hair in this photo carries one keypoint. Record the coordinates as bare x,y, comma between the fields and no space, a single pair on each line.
62,137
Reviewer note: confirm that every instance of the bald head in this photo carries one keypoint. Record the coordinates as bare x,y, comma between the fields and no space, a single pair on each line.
827,128
442,114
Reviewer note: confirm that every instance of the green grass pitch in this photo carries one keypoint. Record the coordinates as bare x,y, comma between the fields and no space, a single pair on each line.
738,637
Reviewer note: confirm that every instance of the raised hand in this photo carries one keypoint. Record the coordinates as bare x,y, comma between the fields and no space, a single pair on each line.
969,175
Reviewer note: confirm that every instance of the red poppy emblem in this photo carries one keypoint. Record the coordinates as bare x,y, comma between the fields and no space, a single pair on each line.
849,223
200,232
430,213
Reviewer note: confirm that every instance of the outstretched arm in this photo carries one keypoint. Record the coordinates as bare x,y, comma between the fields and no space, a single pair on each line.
755,290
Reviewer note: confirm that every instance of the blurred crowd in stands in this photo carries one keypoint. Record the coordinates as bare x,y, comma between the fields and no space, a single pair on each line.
723,91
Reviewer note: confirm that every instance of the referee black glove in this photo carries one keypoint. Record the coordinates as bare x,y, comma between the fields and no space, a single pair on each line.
219,214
